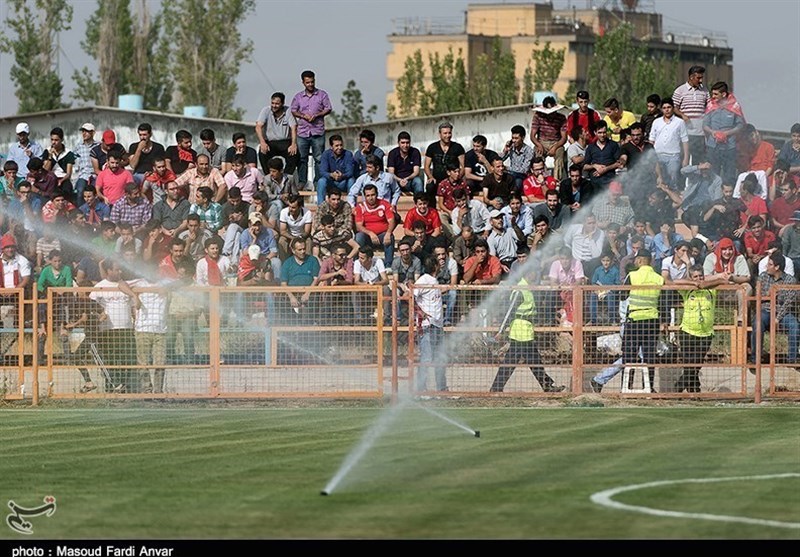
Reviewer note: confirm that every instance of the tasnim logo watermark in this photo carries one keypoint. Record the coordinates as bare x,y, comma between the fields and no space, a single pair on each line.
16,520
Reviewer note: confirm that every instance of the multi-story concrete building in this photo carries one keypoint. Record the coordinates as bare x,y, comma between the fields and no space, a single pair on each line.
526,26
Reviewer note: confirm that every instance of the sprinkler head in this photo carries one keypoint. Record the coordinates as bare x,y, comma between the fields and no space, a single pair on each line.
477,433
323,493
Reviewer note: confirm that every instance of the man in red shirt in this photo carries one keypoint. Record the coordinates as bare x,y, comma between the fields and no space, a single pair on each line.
583,116
421,211
757,241
782,208
375,223
111,180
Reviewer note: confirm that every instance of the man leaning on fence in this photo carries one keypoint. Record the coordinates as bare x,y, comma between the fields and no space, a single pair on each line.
784,313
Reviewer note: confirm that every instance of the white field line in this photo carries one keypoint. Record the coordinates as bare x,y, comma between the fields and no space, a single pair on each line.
605,498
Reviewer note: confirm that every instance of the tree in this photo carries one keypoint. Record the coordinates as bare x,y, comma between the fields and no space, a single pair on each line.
547,66
115,40
449,79
493,81
621,67
411,94
208,51
36,24
353,108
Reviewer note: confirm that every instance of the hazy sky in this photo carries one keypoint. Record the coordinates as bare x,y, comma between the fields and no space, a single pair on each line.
347,39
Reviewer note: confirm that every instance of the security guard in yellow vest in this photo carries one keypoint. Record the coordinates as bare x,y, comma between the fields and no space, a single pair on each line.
522,349
697,327
641,327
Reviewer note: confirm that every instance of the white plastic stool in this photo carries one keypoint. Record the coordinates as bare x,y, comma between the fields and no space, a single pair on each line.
630,372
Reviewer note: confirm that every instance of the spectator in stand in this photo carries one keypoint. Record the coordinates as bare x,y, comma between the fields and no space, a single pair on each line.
615,245
575,192
370,270
99,153
154,184
421,243
43,181
209,211
279,186
447,274
498,185
24,149
375,223
702,186
310,106
60,161
437,155
235,213
754,204
367,147
690,100
755,153
579,139
57,210
336,168
132,209
653,112
602,158
212,149
549,134
607,274
477,164
446,201
781,176
469,212
670,139
784,313
325,238
722,217
276,129
254,269
111,181
203,175
503,241
93,208
294,223
341,212
790,152
244,176
664,242
482,267
181,157
783,207
263,237
421,211
613,207
727,264
537,182
464,246
519,156
722,123
404,162
556,213
388,189
143,153
194,238
168,221
586,240
756,242
516,212
583,116
790,240
241,148
565,273
213,269
405,270
337,270
617,119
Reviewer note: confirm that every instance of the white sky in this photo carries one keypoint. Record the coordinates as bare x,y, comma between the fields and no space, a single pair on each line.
346,39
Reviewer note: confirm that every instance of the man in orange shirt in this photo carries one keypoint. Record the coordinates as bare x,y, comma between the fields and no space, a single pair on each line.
480,269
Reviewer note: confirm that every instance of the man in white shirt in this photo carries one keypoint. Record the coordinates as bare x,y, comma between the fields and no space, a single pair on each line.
671,143
429,323
370,270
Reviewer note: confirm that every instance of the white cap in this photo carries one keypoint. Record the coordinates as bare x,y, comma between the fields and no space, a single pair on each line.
495,213
254,251
88,126
23,127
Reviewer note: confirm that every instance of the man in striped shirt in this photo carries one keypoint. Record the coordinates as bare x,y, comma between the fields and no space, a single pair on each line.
690,101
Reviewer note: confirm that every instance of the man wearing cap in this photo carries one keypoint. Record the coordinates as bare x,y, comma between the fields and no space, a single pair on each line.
99,153
642,323
254,269
24,149
438,155
264,238
84,170
583,116
503,241
15,269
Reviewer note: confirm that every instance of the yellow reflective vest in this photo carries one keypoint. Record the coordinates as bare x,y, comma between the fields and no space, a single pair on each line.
522,326
643,302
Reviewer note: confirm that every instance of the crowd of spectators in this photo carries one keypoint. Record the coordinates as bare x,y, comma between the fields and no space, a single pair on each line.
575,192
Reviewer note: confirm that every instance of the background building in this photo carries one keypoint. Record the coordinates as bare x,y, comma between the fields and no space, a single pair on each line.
526,26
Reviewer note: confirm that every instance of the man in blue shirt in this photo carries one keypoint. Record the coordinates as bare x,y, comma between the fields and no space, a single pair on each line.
336,168
24,150
386,183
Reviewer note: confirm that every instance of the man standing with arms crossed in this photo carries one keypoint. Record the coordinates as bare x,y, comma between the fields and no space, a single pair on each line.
310,106
276,129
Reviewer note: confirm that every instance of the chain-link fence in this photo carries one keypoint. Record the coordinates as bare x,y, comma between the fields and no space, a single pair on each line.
676,341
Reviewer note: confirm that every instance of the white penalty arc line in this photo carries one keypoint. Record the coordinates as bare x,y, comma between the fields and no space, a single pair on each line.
605,498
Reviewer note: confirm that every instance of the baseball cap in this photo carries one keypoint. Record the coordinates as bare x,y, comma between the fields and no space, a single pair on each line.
23,127
89,127
255,217
109,137
254,251
796,216
495,213
582,94
7,241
